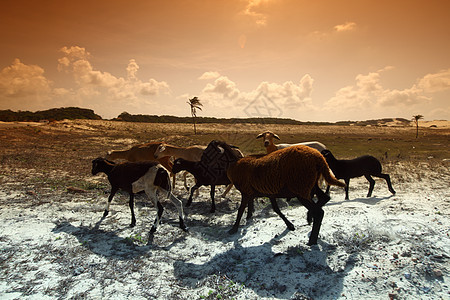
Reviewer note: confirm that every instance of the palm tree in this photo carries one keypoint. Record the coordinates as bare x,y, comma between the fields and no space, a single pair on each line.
195,104
416,120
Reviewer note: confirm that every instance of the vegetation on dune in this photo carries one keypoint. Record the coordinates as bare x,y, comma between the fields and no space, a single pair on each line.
54,114
73,113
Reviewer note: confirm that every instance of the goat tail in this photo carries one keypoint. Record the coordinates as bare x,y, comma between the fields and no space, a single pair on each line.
329,178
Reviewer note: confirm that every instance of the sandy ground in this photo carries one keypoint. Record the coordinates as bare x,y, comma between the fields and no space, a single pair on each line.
55,245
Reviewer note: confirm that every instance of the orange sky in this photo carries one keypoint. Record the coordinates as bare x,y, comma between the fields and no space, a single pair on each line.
307,60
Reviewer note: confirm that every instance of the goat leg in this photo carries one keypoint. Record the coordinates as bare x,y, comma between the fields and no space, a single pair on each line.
179,206
275,207
322,199
250,208
244,203
317,216
212,193
158,217
131,204
111,195
347,184
371,186
193,189
227,190
388,181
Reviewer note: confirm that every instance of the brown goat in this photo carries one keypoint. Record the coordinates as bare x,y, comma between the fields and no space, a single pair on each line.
142,152
286,173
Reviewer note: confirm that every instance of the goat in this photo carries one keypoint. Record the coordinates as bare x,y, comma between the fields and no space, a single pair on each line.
268,137
207,171
142,152
290,172
192,153
134,177
365,165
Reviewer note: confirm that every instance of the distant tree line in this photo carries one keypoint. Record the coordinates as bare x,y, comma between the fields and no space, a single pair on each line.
199,120
72,113
54,114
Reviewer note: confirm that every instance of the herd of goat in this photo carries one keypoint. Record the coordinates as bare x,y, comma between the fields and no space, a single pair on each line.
285,171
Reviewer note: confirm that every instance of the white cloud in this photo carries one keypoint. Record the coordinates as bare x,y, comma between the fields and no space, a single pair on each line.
26,87
256,10
287,97
132,69
367,96
209,75
437,82
23,87
97,83
224,87
21,80
347,26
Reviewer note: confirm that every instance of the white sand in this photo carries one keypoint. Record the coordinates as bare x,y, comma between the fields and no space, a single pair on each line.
53,246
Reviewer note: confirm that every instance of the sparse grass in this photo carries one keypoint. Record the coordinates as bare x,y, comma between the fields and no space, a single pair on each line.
60,154
220,287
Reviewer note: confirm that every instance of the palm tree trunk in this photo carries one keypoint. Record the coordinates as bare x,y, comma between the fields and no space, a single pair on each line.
193,120
417,129
195,129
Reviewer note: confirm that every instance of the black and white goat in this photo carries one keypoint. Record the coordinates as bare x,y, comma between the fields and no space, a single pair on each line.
365,165
134,177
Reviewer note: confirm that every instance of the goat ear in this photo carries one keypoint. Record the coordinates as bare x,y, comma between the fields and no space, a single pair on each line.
276,136
221,149
260,135
162,147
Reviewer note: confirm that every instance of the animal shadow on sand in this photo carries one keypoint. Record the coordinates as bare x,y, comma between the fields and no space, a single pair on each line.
300,270
370,201
109,243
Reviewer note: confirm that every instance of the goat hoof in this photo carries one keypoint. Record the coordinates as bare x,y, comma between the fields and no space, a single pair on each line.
132,225
291,227
185,229
310,243
153,229
105,213
232,230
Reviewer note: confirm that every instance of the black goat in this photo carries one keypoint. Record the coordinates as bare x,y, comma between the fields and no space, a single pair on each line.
201,178
365,165
134,177
210,170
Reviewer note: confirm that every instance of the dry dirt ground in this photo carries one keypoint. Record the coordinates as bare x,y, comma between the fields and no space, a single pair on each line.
54,243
